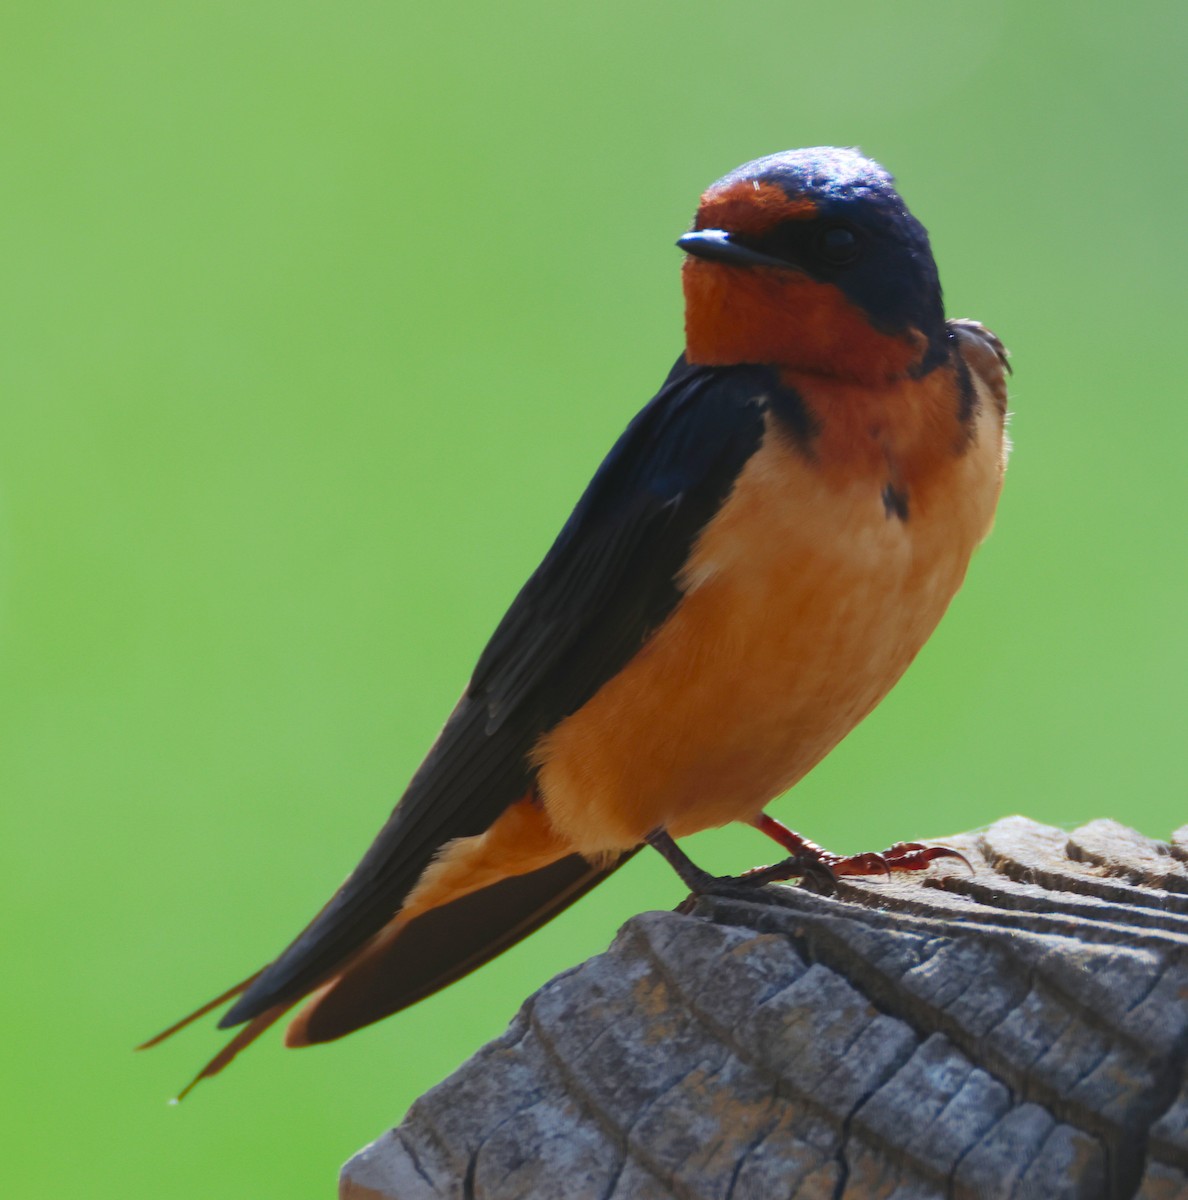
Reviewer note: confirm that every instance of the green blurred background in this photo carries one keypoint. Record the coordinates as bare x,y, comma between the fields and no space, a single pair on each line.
317,318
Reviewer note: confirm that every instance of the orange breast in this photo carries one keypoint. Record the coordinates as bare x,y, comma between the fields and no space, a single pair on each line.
805,602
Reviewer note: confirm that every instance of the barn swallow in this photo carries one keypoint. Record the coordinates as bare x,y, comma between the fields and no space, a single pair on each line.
753,566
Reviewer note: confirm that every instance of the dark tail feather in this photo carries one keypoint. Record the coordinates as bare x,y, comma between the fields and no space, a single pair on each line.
440,946
242,1039
201,1012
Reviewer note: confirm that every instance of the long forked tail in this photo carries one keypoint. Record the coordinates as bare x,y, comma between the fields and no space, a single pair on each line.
406,963
240,1041
209,1006
439,946
243,1038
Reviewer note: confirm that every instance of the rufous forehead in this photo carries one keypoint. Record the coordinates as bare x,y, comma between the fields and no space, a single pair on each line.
749,206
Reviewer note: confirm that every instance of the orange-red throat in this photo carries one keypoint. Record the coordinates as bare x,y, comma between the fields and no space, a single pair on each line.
737,314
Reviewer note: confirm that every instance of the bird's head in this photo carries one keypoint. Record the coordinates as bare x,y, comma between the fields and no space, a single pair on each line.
809,260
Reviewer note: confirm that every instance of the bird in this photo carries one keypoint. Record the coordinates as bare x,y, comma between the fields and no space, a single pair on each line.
753,566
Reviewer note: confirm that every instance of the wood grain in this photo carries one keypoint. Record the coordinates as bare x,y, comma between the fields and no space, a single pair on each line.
1016,1031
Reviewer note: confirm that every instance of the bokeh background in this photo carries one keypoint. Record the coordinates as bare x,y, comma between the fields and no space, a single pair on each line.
315,320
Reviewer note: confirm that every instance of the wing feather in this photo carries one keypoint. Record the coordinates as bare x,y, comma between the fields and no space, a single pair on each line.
610,578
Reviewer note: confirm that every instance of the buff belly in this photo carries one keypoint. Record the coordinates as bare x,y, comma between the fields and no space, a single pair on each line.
805,603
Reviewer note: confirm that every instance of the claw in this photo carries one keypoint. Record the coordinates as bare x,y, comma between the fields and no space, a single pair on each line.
870,863
903,856
902,848
913,856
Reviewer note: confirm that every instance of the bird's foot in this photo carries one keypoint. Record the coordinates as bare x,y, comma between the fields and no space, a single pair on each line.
806,861
903,856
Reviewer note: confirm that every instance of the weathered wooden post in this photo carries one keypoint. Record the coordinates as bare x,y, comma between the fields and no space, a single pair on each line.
1021,1031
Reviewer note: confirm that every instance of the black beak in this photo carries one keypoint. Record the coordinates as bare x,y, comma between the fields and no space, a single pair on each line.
716,245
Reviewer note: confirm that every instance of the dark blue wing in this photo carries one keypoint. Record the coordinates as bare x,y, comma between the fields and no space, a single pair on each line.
609,580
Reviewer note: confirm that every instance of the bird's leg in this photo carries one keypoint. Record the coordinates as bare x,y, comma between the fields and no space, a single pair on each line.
692,876
903,856
699,881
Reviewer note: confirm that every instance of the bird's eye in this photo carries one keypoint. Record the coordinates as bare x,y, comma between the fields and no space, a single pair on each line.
838,245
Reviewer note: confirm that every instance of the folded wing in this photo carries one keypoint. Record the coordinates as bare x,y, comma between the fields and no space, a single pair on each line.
609,580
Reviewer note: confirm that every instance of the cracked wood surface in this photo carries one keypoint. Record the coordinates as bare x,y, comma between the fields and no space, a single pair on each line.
1021,1032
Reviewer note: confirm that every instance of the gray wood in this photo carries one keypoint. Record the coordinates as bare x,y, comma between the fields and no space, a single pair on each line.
1016,1031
